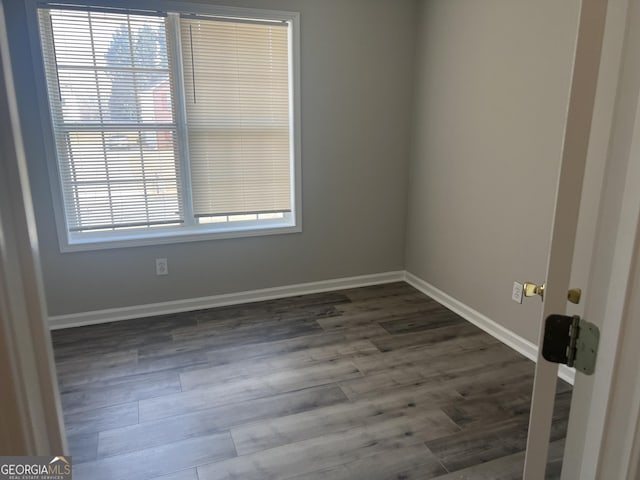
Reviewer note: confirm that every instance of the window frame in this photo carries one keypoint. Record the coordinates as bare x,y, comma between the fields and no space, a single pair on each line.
68,242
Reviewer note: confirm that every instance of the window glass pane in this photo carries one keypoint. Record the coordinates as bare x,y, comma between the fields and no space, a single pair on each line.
130,180
111,67
110,93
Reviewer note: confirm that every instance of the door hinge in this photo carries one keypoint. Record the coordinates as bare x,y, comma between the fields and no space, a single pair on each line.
571,341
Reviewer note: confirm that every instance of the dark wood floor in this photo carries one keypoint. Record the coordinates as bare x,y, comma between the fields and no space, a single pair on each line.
371,383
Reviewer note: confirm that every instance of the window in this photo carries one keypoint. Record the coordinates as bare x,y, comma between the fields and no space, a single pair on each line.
171,126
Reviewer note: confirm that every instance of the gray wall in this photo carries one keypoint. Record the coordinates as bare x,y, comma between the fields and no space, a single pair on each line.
492,94
357,75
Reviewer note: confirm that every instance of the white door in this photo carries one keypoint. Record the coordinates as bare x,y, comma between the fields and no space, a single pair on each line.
603,440
576,142
30,411
604,427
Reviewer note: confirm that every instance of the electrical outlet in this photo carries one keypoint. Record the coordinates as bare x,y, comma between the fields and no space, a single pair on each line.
162,266
518,290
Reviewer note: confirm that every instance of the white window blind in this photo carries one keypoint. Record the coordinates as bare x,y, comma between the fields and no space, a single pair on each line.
110,91
237,96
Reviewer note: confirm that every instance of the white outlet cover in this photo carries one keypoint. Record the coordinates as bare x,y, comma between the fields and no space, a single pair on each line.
518,291
162,266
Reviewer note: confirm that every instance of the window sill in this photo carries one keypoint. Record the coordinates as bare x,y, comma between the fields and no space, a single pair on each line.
172,236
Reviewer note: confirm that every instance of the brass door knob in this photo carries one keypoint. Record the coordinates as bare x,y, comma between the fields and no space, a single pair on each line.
531,290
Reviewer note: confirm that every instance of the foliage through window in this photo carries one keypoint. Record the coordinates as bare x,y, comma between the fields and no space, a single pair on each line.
169,124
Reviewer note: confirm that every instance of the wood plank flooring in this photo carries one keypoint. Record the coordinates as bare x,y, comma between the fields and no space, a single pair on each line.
371,383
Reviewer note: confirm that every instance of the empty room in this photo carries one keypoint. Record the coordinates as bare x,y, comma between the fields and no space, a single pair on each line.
303,239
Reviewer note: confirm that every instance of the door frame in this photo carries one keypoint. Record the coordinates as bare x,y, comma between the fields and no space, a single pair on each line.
30,410
605,416
603,425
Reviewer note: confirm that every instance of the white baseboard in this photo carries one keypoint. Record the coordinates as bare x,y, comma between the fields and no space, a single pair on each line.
177,306
506,336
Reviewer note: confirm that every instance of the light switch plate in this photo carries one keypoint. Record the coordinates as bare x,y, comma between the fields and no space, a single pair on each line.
516,294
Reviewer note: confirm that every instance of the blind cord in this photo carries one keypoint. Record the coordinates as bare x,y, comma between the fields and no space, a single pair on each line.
193,66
